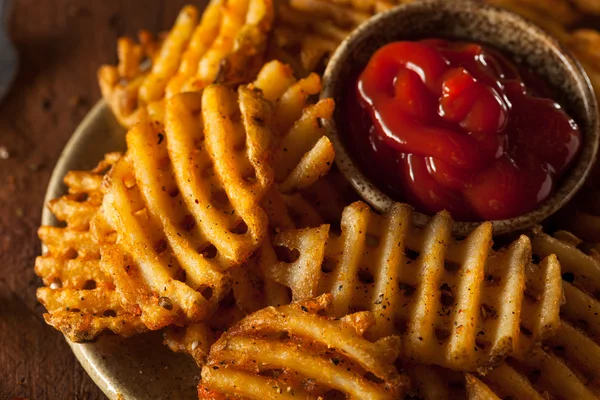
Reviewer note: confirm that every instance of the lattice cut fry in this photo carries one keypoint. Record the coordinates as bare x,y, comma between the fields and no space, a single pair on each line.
225,44
576,344
539,375
565,367
80,298
456,303
306,32
503,382
292,352
185,203
304,153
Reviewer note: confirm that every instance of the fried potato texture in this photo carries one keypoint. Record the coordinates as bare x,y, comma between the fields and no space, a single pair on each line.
195,198
564,367
80,298
184,203
455,303
225,44
304,153
293,352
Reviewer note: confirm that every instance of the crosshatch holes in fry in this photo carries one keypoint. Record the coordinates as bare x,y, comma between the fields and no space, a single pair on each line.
286,255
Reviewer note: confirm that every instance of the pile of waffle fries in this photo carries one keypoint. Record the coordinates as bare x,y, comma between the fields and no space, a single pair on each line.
224,225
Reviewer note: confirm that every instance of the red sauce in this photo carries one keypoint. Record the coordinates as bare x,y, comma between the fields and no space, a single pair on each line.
456,126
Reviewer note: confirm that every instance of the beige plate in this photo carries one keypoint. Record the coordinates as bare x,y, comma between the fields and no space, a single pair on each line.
140,368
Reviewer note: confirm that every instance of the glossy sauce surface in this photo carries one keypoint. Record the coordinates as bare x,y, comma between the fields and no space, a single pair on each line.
457,126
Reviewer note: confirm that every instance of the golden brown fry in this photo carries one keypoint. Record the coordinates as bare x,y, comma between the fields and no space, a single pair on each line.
226,45
566,366
292,352
443,296
80,298
308,38
304,153
185,204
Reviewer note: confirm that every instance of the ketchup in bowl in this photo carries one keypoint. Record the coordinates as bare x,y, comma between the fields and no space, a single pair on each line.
457,126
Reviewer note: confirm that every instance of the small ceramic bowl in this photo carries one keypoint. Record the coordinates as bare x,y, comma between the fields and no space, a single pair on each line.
520,40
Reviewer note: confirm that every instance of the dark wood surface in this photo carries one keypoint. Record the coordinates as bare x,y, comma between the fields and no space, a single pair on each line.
61,44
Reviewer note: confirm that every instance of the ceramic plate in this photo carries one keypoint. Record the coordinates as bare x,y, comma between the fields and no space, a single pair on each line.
139,368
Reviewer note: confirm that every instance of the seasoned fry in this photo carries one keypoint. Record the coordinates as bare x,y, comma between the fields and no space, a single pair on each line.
194,198
566,366
456,296
304,153
184,203
225,44
579,334
250,291
80,299
292,352
307,37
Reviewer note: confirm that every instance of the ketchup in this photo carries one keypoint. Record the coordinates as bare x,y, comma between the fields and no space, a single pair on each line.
456,126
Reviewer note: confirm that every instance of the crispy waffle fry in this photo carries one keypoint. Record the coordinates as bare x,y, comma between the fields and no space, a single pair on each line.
292,352
304,153
504,382
307,31
457,296
566,366
225,45
151,192
250,291
576,345
184,203
80,299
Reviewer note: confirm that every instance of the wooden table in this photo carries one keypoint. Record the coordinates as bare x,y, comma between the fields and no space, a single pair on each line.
61,44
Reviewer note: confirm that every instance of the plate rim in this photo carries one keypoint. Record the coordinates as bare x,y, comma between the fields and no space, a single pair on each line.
54,189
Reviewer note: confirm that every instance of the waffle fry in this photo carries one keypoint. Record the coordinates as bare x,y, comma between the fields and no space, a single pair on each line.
304,154
566,366
575,349
80,299
461,296
199,217
225,45
250,291
292,352
307,32
434,383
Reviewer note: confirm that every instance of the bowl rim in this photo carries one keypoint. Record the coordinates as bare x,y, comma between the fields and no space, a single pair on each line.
570,183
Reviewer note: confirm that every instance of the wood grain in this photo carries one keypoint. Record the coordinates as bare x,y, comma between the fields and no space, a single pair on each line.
61,44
